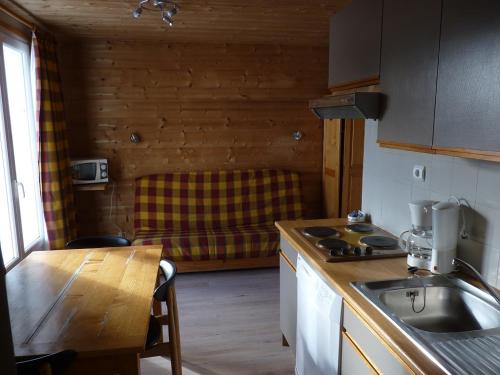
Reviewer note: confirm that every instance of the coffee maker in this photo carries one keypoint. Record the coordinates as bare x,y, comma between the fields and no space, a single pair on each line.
444,236
418,240
432,240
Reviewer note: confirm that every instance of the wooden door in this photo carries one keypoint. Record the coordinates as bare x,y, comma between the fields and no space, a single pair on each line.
332,174
343,150
352,166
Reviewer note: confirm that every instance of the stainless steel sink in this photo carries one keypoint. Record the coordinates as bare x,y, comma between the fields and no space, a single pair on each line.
456,324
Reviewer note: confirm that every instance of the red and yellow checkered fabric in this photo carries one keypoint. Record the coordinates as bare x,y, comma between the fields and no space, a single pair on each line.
215,215
56,183
249,241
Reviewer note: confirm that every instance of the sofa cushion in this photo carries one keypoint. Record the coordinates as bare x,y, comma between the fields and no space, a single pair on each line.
249,241
203,201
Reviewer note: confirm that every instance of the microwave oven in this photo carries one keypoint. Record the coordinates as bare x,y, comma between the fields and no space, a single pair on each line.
89,171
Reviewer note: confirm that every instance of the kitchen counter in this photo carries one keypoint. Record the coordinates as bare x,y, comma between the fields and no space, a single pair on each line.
340,275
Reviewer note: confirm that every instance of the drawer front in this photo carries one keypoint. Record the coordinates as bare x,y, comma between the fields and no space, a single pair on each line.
353,362
289,251
372,348
288,302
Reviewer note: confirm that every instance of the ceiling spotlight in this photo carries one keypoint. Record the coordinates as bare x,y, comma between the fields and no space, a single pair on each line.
168,9
137,12
168,16
167,19
171,12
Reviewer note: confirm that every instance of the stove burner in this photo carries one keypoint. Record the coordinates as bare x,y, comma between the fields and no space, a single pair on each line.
360,228
332,244
320,232
380,242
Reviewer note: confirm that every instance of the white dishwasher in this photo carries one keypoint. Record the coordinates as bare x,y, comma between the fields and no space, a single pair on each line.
319,320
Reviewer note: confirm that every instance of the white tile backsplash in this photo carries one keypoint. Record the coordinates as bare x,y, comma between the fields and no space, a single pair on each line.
488,184
395,195
464,179
440,174
388,186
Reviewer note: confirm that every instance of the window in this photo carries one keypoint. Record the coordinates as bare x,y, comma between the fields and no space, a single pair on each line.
21,215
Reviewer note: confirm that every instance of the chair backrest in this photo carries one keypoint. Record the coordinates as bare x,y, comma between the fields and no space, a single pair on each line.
169,270
184,201
97,241
56,362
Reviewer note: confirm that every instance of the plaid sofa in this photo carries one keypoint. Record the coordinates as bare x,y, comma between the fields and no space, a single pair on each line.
215,215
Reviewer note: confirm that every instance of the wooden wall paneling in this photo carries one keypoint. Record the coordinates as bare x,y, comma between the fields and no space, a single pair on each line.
196,107
332,172
222,21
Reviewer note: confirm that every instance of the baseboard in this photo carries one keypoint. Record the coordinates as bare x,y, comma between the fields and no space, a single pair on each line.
227,264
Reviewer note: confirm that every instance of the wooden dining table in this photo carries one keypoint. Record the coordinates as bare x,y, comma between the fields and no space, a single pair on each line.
94,301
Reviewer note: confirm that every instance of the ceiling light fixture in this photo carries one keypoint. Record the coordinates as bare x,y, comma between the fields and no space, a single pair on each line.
167,9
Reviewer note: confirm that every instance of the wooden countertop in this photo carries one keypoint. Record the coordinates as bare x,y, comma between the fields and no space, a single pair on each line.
94,301
341,274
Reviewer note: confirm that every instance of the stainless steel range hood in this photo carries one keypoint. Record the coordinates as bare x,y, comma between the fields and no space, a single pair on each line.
348,106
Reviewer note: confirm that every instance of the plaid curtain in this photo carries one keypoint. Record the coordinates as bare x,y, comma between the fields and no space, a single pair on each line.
57,188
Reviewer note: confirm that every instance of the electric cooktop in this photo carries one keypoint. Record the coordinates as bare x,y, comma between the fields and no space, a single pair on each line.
359,241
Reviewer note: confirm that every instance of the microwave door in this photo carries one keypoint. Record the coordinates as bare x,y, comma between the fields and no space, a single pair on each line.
84,173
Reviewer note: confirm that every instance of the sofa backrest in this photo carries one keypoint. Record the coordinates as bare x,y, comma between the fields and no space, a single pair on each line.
205,200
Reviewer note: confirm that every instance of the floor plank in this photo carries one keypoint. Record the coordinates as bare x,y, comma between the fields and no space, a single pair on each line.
229,325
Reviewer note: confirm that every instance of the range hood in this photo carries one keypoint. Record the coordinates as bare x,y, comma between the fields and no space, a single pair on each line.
348,106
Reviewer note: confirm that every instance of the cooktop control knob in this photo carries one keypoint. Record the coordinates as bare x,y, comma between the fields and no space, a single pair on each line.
357,251
333,252
345,251
368,250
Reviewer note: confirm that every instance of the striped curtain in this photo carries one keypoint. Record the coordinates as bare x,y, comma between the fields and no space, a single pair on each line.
57,188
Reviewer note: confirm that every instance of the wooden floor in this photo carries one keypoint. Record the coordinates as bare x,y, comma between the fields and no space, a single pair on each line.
229,325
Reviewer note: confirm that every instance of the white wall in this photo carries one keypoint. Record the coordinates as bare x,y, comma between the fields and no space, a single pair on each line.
388,186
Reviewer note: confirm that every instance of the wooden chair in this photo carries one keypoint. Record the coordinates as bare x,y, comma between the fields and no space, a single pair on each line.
52,364
97,241
155,346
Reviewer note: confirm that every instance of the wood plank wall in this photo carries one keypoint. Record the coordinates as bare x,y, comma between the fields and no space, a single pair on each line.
196,107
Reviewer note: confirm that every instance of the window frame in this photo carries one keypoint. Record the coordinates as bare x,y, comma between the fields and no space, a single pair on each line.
21,45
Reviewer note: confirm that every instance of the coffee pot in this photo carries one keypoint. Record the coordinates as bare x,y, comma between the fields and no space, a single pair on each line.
432,240
417,241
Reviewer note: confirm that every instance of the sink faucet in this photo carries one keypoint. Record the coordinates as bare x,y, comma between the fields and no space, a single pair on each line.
461,263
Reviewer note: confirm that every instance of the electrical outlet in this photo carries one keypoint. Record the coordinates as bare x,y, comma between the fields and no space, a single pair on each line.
419,173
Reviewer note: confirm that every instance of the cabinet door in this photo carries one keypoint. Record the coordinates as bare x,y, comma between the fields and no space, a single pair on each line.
355,43
288,301
373,349
468,90
409,63
353,362
289,252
